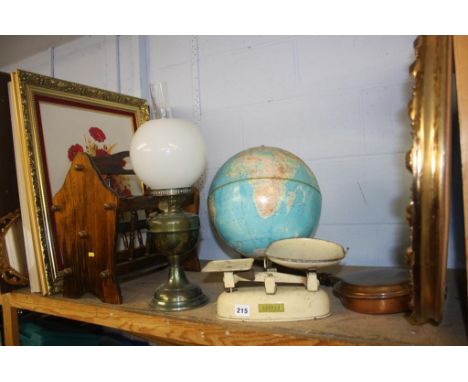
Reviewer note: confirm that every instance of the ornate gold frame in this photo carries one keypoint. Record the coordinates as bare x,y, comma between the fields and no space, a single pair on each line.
26,86
429,160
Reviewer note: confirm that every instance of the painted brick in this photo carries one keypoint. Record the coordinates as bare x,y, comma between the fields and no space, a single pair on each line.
39,63
169,50
218,45
310,127
363,190
129,64
223,135
90,61
329,63
250,76
385,119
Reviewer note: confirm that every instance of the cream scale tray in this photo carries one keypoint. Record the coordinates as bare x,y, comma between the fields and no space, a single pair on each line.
285,297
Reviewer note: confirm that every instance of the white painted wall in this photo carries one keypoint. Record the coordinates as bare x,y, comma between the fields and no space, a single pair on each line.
338,102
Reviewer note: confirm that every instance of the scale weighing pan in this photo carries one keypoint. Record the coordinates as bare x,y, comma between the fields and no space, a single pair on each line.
305,253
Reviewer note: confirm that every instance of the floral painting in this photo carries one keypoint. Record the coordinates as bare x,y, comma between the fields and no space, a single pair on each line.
96,146
71,130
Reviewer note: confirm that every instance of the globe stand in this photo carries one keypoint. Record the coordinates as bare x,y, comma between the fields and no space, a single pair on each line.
175,233
273,303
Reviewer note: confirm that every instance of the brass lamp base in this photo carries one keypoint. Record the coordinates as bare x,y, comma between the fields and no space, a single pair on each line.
175,234
169,299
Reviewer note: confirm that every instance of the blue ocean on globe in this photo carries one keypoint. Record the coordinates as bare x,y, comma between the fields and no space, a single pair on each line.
261,195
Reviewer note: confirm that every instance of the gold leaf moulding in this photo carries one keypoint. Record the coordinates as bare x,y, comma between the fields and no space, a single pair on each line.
427,213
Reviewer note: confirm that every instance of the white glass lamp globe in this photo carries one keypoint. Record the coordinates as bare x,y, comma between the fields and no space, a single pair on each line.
168,153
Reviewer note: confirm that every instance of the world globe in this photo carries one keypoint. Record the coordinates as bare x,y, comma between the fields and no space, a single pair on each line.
262,195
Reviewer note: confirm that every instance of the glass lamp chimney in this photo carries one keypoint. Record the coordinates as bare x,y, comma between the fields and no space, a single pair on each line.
160,100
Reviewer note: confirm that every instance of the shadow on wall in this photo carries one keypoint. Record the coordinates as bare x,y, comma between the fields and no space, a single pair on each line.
457,232
399,204
456,204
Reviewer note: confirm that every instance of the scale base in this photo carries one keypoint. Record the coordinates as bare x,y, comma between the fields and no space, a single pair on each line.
289,303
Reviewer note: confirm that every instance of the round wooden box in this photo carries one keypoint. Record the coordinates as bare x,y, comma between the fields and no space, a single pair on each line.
380,291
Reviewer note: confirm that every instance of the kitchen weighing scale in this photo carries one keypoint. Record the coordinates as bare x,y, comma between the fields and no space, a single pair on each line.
284,296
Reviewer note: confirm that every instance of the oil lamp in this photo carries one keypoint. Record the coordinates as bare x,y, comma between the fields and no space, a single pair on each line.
169,155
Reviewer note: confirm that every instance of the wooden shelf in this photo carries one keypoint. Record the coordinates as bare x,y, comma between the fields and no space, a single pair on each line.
201,327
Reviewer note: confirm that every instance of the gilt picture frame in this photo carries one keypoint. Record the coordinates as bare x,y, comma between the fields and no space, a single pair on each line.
429,161
55,119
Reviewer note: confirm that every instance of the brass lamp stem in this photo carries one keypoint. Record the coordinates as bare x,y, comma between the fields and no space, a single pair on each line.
175,234
176,272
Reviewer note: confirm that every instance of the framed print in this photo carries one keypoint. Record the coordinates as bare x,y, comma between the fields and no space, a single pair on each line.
429,161
57,119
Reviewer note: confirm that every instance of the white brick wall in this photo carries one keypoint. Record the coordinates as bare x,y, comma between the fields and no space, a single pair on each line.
39,63
339,102
97,55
